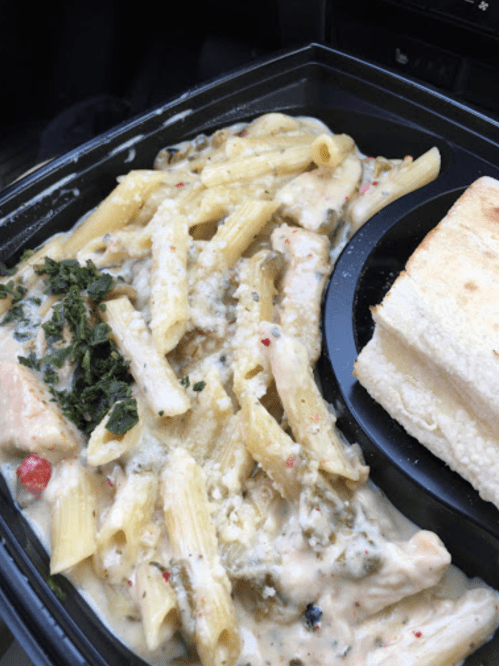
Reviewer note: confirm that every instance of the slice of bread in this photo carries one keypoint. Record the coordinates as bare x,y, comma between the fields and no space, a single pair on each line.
433,362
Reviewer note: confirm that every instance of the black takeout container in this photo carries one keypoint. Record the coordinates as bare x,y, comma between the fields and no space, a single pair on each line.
387,115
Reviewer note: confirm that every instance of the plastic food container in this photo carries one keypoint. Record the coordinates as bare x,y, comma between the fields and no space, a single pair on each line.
387,115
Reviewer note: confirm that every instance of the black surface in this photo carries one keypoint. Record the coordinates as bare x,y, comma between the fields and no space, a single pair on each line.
387,115
451,44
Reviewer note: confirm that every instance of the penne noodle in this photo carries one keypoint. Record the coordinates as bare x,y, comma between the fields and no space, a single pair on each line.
329,150
303,284
255,296
270,124
74,509
201,583
119,537
421,172
116,211
310,419
159,386
158,604
104,446
237,231
230,457
285,161
283,460
169,288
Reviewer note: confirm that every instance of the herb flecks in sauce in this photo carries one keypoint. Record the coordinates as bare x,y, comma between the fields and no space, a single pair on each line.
101,380
5,270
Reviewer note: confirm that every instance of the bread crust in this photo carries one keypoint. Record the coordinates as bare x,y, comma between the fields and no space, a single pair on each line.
436,341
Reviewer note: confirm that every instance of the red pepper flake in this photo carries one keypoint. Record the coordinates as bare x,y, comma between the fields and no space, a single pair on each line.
166,576
180,185
130,583
265,341
34,473
357,604
418,634
110,482
375,182
364,188
290,461
243,133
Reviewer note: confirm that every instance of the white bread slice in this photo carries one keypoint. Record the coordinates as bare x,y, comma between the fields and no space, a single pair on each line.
433,362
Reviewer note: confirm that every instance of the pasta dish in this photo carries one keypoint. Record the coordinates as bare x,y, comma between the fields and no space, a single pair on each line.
162,427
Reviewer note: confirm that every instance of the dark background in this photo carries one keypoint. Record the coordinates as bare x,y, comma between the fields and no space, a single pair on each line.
72,70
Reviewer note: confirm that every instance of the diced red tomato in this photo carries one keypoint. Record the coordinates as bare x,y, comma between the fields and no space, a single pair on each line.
34,473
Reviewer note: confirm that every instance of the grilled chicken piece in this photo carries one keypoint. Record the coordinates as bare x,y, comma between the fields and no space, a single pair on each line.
315,199
28,419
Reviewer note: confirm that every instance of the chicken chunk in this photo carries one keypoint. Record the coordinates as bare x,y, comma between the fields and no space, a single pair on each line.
315,199
28,419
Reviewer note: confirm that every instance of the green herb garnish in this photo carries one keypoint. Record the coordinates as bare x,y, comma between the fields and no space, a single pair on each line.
30,361
16,290
27,254
101,378
199,386
5,270
123,417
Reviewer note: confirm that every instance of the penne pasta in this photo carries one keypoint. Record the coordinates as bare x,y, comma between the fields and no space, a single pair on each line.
310,419
271,124
159,385
201,584
302,286
235,234
288,160
104,446
255,296
419,173
119,537
283,460
329,150
169,288
230,458
74,509
116,210
157,602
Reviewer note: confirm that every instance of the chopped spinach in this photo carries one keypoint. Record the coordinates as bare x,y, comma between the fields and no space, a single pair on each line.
27,254
123,417
199,386
14,289
30,361
101,378
5,270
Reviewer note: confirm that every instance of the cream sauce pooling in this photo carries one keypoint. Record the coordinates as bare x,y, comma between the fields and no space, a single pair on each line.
334,576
